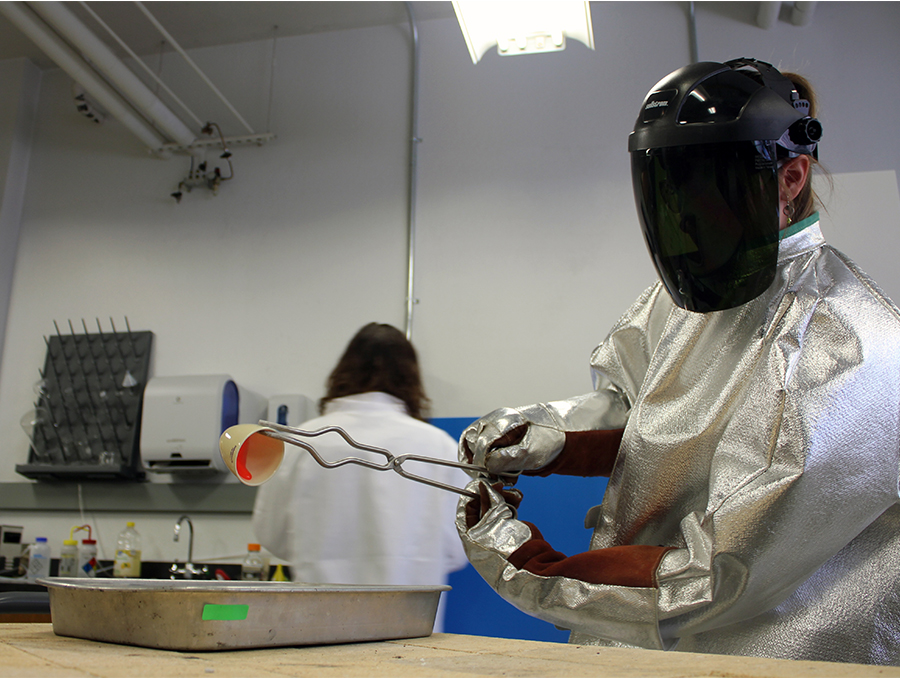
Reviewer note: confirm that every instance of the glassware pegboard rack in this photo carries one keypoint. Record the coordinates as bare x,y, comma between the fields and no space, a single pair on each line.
86,420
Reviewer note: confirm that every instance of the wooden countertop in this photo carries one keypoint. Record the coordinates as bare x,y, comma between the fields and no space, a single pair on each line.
34,650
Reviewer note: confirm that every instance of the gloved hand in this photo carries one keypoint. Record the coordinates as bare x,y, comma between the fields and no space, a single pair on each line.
606,593
490,527
490,521
512,440
489,496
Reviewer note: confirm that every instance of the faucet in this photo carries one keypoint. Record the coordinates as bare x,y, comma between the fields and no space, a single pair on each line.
189,570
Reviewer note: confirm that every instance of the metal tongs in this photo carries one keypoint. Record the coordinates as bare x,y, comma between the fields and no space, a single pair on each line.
294,436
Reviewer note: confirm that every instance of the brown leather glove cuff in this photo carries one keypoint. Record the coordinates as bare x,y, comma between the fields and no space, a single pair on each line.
616,566
586,454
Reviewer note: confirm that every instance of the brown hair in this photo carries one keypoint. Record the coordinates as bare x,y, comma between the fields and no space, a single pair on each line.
379,358
807,202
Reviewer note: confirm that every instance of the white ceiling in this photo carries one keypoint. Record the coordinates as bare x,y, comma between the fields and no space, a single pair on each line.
205,24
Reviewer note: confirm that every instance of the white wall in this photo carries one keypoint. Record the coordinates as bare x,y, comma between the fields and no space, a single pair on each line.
528,247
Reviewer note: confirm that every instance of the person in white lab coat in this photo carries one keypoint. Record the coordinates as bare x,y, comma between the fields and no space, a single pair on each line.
355,525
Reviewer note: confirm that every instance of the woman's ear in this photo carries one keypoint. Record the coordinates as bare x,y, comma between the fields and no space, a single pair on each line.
794,174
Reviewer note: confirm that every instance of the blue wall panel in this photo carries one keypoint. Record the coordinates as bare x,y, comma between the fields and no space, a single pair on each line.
557,505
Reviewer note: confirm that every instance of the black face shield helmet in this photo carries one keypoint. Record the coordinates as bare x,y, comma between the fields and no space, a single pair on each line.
704,154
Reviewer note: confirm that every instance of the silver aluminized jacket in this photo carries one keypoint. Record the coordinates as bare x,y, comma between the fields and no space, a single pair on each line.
762,444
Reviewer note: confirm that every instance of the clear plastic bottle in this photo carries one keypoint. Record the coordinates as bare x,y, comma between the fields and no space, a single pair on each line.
87,558
128,553
39,559
253,565
68,559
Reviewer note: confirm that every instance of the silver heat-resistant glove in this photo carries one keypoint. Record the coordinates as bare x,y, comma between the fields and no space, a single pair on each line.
510,440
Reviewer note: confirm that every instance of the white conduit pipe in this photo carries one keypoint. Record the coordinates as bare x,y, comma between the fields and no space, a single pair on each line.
136,92
141,63
802,13
72,64
767,14
184,55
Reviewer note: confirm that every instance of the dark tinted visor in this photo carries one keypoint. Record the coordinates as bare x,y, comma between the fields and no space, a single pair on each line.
709,213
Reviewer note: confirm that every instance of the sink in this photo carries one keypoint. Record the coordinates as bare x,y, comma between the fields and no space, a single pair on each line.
165,570
190,571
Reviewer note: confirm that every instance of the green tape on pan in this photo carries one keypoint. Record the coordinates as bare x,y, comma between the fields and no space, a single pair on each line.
225,612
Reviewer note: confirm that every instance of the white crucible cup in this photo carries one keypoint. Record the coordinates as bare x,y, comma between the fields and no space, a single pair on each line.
249,454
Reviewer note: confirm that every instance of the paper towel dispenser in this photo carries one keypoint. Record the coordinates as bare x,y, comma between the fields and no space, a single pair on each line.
183,418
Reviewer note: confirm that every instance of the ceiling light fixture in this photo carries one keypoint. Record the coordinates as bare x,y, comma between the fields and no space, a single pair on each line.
529,27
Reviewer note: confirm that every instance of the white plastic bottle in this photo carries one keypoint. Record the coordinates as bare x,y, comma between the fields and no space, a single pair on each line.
39,559
128,553
253,565
87,558
68,559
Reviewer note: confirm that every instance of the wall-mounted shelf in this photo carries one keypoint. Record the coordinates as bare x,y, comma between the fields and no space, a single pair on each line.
132,497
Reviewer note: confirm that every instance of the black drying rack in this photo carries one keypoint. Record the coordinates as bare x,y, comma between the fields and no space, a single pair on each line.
86,422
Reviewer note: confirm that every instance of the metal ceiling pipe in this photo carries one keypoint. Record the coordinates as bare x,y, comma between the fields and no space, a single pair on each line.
66,58
414,141
140,62
102,57
692,32
190,62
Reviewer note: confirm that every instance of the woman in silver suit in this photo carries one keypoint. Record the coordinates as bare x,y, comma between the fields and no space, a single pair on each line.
746,409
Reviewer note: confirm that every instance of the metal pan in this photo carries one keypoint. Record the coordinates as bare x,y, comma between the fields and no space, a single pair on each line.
229,615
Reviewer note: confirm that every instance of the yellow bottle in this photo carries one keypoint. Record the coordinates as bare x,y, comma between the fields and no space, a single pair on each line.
128,553
279,574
